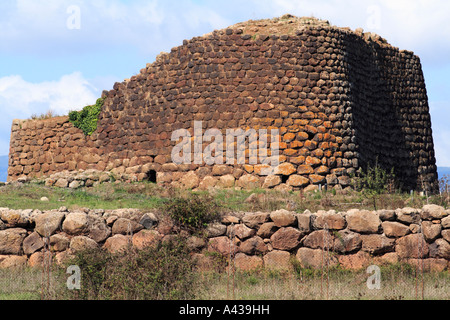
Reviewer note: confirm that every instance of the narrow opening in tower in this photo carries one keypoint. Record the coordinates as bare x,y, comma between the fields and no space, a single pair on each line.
151,176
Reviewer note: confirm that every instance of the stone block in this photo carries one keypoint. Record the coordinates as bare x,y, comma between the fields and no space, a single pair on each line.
363,221
11,241
278,260
395,229
286,239
283,218
245,262
412,246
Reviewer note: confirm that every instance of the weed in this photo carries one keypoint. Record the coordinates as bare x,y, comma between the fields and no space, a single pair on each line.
162,272
87,119
374,181
194,212
47,115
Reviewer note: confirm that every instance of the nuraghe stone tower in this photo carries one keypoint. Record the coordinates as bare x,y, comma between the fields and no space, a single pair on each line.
341,100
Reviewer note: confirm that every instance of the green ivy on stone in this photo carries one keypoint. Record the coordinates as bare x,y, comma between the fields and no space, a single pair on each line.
87,119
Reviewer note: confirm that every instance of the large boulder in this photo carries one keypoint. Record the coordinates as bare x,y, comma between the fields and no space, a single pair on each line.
98,228
117,243
193,243
245,262
412,246
286,169
272,181
296,180
149,220
431,231
82,243
190,180
59,243
241,231
267,230
315,258
208,183
319,239
329,220
277,260
377,243
32,243
432,211
36,260
445,222
225,182
13,262
15,218
356,261
216,230
146,238
252,246
131,214
76,223
363,221
283,218
48,223
446,234
126,227
304,222
62,183
222,245
386,215
408,215
346,241
11,241
255,220
286,239
394,229
230,219
440,249
249,182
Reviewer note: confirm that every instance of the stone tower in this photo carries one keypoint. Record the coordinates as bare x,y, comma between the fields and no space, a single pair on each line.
339,100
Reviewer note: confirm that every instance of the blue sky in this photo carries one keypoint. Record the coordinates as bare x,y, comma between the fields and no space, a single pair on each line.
61,54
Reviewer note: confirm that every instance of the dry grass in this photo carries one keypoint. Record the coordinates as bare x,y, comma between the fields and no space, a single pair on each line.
44,116
396,284
24,284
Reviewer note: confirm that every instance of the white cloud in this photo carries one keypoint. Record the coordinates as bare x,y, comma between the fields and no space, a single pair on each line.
151,26
421,26
39,28
416,25
20,99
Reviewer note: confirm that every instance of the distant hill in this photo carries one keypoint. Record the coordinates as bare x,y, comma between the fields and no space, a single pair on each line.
3,168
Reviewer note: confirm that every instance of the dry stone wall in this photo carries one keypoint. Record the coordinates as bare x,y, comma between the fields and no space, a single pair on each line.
353,239
340,99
